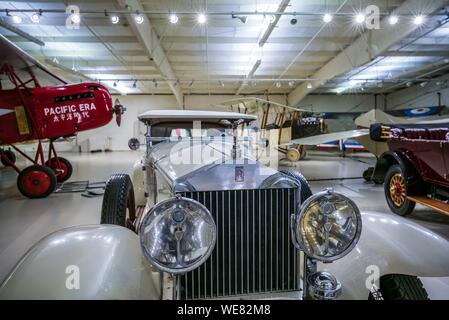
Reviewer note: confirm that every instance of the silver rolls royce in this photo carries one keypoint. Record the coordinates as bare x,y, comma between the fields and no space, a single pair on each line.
203,218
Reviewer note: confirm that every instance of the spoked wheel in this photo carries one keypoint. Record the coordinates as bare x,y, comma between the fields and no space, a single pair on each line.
61,167
118,202
36,182
9,155
396,192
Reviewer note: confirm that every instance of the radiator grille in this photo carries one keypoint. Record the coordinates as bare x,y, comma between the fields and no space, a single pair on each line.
253,253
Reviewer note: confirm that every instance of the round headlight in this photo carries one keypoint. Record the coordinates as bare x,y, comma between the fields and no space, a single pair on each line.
178,235
328,226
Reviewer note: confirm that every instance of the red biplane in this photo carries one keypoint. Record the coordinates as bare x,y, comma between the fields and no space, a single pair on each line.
35,104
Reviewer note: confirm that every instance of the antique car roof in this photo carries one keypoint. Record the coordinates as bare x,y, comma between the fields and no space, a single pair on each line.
160,116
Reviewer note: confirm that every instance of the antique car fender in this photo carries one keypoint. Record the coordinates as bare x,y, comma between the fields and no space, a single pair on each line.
390,245
138,180
390,158
88,262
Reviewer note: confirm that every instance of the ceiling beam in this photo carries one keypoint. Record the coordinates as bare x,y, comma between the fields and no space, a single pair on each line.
371,44
150,41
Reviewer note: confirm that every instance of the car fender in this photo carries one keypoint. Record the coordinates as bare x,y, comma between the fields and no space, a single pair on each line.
138,179
390,158
390,245
89,262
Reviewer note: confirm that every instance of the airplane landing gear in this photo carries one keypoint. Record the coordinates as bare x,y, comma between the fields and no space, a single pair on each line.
61,167
36,181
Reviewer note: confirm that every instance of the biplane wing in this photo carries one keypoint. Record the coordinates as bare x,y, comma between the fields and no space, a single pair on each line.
25,65
323,138
252,104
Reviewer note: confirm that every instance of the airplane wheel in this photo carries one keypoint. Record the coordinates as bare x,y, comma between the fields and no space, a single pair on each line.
36,181
368,174
10,155
63,171
293,155
118,202
396,192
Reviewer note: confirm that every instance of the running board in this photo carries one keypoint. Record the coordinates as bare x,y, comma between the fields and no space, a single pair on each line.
431,203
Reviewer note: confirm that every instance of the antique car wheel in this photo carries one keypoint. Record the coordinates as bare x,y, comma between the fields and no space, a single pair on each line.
306,192
396,192
63,171
36,182
10,155
118,202
402,287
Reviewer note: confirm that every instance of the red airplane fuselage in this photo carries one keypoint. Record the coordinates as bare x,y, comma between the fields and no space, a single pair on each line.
52,112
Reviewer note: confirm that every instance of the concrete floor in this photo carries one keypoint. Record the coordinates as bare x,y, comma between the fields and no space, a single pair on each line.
23,222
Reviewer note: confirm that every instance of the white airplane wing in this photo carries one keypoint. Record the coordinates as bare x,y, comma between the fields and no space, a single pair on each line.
323,138
254,100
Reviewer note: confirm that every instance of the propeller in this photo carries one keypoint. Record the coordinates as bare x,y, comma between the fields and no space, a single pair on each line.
118,110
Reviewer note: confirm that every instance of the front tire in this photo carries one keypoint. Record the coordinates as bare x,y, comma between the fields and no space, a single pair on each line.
118,202
306,192
36,182
396,188
402,287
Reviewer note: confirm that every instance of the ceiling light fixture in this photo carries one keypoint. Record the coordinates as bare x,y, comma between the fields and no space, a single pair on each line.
278,84
360,18
327,18
16,19
291,83
393,19
201,18
115,19
243,19
115,84
293,21
221,83
419,20
309,85
409,84
135,84
138,18
36,17
173,18
271,18
253,83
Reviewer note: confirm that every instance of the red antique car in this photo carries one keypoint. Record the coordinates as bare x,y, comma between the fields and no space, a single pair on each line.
416,167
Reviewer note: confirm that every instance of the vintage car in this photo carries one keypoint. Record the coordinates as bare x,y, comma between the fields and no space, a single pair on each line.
200,218
415,169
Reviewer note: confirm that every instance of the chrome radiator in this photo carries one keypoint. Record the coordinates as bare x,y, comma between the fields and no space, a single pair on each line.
253,253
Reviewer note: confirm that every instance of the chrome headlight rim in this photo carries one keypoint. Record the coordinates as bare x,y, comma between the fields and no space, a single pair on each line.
303,209
160,266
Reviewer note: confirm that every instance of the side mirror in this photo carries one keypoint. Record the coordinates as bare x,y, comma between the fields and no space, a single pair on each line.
134,144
